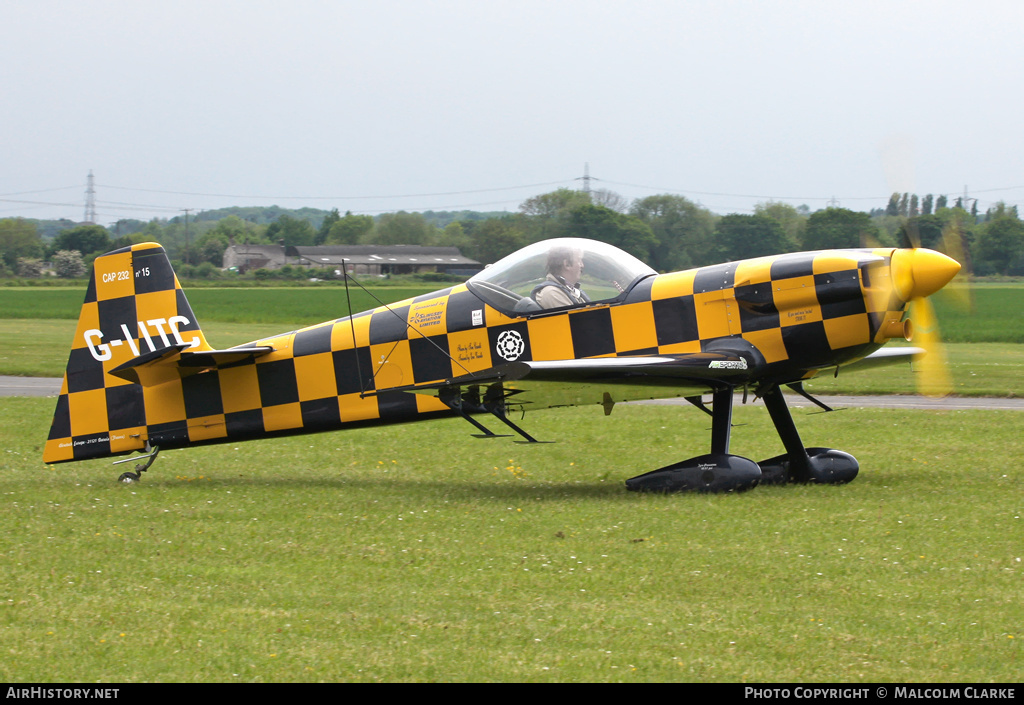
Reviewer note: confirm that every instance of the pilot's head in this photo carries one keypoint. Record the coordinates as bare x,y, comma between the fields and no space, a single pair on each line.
566,262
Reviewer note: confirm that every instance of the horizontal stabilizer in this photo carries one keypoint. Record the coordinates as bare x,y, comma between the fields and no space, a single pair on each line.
174,362
208,359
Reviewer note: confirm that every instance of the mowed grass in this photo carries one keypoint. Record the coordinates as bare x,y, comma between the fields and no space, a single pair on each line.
976,370
290,307
40,348
37,325
995,315
987,312
417,553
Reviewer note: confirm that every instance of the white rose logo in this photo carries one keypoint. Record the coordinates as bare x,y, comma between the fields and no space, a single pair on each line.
510,345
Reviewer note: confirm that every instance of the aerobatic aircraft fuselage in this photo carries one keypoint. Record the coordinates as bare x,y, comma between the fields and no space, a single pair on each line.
141,374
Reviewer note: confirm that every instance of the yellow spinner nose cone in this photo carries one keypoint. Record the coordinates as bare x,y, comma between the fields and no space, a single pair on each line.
920,272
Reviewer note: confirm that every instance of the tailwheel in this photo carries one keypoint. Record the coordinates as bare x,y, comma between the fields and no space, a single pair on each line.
129,478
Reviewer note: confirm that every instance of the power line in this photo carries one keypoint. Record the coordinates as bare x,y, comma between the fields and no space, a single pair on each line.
744,195
92,203
461,206
990,190
39,203
335,198
44,190
139,206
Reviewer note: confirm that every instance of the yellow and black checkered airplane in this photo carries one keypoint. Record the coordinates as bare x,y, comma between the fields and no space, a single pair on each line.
142,377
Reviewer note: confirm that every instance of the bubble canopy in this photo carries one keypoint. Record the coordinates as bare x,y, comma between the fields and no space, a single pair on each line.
608,274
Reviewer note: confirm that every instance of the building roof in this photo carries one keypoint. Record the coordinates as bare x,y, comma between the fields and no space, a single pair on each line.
382,254
262,250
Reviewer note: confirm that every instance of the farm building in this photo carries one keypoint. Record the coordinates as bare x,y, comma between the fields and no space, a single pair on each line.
359,259
247,257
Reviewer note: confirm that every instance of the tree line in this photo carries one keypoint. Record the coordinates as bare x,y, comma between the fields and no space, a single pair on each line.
669,232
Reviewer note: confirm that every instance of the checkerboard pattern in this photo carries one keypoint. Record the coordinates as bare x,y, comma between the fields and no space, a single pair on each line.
800,311
133,304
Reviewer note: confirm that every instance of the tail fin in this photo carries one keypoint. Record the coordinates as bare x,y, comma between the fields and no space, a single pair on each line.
134,312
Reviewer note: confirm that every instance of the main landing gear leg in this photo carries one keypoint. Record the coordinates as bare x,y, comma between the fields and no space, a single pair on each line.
799,464
718,471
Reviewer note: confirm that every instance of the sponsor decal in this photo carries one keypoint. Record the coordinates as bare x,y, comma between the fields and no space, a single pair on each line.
427,315
728,365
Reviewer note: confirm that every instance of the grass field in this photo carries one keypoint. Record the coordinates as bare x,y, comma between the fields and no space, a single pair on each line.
997,315
416,553
289,307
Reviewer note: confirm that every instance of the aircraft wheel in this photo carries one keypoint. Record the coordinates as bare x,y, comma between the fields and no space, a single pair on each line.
129,477
832,467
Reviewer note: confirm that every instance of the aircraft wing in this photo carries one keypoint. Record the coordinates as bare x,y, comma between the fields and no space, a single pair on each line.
605,380
612,380
886,356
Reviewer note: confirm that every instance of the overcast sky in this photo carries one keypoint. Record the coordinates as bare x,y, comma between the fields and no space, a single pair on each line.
382,105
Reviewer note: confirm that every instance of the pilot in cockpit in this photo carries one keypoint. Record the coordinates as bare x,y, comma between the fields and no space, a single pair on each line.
561,287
